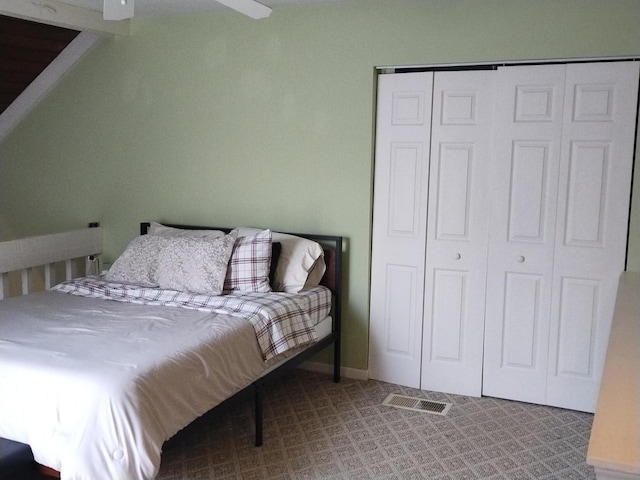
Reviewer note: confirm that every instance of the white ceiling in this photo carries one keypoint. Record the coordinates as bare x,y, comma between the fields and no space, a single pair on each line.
87,15
165,7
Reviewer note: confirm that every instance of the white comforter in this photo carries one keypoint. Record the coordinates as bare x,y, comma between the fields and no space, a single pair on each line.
95,387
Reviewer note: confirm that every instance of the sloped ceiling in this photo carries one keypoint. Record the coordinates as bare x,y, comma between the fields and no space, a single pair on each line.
165,7
26,48
33,34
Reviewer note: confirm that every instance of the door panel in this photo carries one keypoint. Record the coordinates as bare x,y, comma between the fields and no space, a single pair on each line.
404,189
399,227
524,185
593,209
456,255
586,193
401,286
448,311
452,209
578,316
530,190
521,321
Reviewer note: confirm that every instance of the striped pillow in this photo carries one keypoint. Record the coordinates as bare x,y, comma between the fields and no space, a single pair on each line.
248,267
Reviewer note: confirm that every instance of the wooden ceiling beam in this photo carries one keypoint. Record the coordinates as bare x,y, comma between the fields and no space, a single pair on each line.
61,14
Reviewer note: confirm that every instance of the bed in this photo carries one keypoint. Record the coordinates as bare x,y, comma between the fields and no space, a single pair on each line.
98,372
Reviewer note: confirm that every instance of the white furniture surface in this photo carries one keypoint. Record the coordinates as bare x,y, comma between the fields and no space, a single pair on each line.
512,183
614,446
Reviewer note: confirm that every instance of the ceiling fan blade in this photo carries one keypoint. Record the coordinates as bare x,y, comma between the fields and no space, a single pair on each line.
251,8
117,9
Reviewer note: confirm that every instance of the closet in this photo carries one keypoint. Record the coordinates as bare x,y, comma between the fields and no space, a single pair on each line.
501,202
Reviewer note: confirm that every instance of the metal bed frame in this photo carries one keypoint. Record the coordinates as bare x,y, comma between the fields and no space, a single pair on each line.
332,279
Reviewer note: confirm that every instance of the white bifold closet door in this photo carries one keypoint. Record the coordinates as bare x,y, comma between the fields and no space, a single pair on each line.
399,227
456,258
501,203
592,223
560,206
428,289
524,192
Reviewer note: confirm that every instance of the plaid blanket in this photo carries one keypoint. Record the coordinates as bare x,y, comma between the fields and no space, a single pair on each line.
281,320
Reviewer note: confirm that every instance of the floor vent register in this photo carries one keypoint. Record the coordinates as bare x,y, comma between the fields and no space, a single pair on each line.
417,404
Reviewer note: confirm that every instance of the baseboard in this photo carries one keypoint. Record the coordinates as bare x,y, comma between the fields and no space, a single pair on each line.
346,372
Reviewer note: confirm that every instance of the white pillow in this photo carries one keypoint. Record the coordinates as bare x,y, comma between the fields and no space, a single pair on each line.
248,268
196,265
298,258
164,231
138,262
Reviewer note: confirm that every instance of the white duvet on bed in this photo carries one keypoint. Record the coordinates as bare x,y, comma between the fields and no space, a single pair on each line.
101,408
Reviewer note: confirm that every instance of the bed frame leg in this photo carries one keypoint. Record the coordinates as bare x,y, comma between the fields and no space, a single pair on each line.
259,390
336,362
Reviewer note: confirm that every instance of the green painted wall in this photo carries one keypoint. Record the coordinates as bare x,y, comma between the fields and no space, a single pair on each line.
223,120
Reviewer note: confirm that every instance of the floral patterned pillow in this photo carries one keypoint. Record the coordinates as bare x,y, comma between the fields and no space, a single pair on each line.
139,261
196,265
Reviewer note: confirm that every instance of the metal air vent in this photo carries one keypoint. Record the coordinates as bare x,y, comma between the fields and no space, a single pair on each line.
417,404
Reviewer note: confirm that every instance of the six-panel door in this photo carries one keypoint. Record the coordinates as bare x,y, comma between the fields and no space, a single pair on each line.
399,227
456,247
524,189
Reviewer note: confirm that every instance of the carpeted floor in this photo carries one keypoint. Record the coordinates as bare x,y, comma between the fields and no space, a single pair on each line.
316,429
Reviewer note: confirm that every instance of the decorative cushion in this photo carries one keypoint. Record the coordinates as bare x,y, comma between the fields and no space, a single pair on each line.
196,265
249,266
138,262
298,258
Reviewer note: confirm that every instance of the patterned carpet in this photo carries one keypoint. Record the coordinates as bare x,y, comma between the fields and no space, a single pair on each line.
316,429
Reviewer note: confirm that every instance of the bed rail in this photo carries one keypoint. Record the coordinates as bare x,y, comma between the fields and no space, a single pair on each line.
47,255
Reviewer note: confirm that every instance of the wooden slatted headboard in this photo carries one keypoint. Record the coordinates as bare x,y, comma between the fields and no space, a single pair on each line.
24,255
